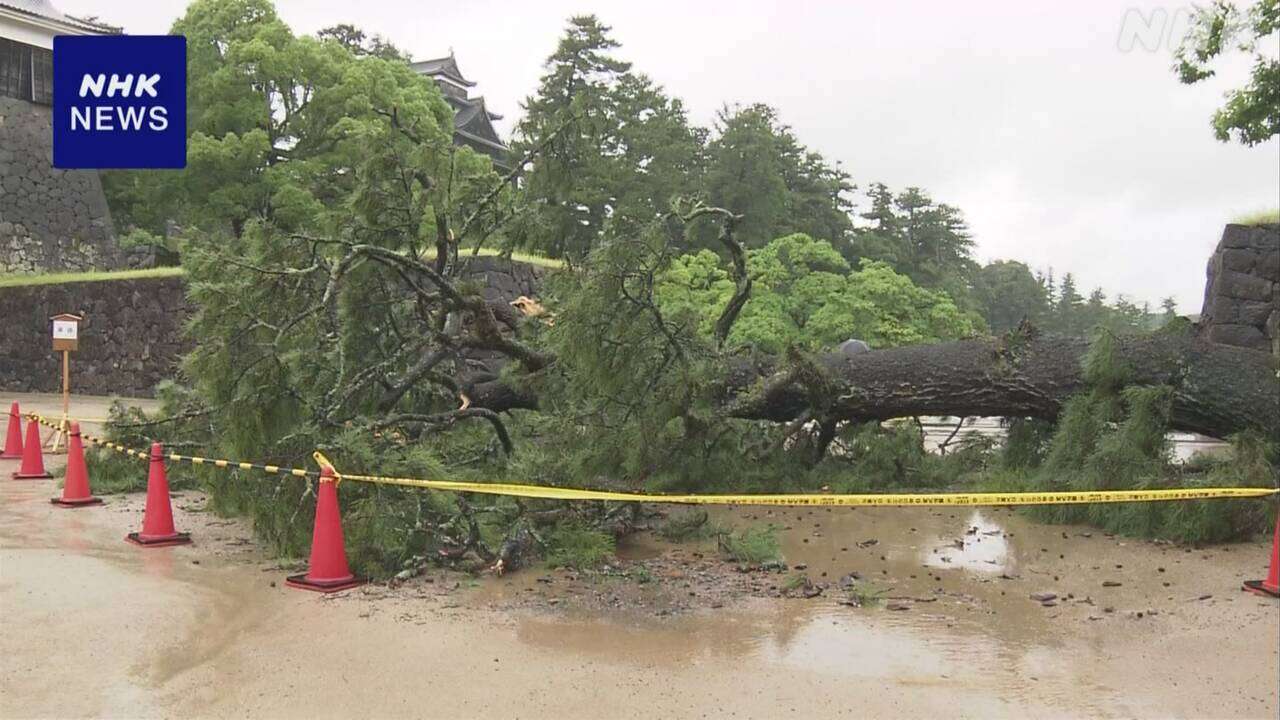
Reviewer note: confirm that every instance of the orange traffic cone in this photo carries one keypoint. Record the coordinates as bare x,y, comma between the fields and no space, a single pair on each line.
32,467
157,519
328,571
13,438
75,487
1270,586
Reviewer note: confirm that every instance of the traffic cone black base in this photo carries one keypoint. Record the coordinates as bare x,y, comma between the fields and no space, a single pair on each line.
175,539
1271,586
302,583
1260,587
76,503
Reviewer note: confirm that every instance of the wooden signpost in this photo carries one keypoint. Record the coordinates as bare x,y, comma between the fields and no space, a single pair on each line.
66,339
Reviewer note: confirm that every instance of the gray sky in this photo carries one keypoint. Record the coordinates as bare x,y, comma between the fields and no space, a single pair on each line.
1058,128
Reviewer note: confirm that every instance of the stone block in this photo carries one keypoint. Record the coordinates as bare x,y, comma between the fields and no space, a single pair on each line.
1259,237
1240,260
1269,266
1246,336
1243,286
1251,312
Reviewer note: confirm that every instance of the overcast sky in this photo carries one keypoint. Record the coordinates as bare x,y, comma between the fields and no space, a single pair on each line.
1062,135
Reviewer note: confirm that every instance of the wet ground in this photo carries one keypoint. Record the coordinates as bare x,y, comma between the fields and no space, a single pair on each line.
92,626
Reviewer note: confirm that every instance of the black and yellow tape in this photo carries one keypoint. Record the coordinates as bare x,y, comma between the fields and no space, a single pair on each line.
789,499
192,459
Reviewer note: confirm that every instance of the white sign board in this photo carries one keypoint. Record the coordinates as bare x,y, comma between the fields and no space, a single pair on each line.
65,329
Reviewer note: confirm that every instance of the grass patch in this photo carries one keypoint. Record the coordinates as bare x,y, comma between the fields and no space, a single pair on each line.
520,257
20,280
577,547
753,546
794,582
1261,217
91,276
864,594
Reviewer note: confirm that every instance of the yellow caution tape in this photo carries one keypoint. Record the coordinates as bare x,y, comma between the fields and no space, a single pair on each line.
858,500
794,499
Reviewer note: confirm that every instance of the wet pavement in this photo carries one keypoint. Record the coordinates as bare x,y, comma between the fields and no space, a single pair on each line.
92,626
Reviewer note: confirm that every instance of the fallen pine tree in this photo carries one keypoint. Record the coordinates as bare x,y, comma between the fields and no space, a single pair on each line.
334,310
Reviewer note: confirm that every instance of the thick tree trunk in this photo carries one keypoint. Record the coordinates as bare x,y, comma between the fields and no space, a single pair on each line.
1218,389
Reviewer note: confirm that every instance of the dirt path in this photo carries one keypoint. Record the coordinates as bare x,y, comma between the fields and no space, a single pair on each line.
92,626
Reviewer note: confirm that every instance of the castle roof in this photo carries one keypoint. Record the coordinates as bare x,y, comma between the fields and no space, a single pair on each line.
445,66
472,120
43,10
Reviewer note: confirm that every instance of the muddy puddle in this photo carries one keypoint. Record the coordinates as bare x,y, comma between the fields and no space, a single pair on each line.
93,627
977,602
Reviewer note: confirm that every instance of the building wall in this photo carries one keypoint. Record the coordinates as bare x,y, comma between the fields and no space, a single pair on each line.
50,220
1242,292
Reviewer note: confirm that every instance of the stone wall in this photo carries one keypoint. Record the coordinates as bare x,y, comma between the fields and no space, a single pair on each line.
50,220
1242,294
502,280
130,338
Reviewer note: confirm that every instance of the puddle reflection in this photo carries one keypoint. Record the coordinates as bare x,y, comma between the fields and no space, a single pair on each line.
981,547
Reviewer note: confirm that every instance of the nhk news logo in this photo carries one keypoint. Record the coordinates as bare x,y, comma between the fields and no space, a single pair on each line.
120,101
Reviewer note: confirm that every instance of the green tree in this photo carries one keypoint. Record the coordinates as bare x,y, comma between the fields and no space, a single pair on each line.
936,238
745,171
1127,315
927,241
1008,292
757,168
273,121
619,148
881,239
1095,312
660,154
570,190
1251,114
805,295
1067,309
358,43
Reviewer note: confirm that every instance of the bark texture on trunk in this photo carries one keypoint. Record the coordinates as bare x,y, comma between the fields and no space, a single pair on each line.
1218,389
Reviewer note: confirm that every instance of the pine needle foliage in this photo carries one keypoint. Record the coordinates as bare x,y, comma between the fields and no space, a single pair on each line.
1114,436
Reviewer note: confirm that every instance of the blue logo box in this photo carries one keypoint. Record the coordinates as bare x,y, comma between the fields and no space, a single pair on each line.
120,101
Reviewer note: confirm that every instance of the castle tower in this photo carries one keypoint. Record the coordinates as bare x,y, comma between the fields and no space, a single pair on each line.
472,121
